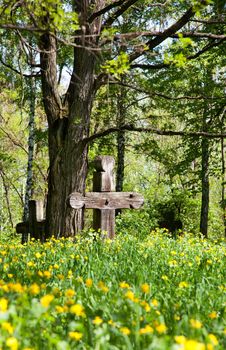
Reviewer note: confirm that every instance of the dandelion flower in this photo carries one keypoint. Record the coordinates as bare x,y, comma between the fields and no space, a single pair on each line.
78,310
146,330
213,339
125,330
12,343
7,327
145,288
46,300
69,293
89,282
161,328
195,324
124,285
213,315
3,304
97,320
75,335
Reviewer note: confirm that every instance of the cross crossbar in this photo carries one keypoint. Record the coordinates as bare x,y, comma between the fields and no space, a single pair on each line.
106,200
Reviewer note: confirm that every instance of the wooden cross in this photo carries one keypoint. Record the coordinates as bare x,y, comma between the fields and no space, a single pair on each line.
35,224
103,200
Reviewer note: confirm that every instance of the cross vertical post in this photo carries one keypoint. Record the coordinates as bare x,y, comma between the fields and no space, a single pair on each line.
35,224
36,216
103,181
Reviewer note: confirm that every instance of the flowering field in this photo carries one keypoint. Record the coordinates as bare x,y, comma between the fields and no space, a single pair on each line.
150,293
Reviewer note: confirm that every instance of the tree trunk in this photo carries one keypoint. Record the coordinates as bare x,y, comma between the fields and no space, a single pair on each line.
223,188
121,117
205,186
31,143
68,124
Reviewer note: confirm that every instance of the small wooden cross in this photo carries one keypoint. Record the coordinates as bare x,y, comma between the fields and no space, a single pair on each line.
35,224
103,200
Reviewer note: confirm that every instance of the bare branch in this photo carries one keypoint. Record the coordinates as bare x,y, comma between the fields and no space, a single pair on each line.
152,130
104,10
36,75
19,27
167,33
126,4
119,3
191,57
167,97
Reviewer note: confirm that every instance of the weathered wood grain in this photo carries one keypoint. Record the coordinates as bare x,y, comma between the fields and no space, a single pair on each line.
106,200
103,181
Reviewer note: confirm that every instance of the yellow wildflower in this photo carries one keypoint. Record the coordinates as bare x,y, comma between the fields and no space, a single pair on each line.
125,330
172,263
69,293
47,274
3,304
59,309
213,339
7,327
78,310
46,300
30,264
60,276
146,330
145,288
97,320
75,335
89,282
111,323
165,278
161,328
70,274
195,324
130,295
183,284
12,343
145,305
193,345
124,285
213,315
180,339
102,286
154,302
38,255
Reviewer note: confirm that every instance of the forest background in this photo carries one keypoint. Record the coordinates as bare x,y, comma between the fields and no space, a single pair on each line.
161,115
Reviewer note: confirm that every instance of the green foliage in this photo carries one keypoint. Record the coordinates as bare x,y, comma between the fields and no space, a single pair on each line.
142,293
117,66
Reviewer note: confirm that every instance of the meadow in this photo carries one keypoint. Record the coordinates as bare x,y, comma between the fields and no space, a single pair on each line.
149,292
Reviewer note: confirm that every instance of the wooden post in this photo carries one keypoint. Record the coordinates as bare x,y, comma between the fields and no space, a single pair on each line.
104,200
36,216
103,181
36,223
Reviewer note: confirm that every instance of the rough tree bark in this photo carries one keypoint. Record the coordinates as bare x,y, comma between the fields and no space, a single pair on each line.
68,122
121,118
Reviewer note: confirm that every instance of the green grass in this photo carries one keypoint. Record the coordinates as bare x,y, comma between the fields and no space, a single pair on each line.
136,293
